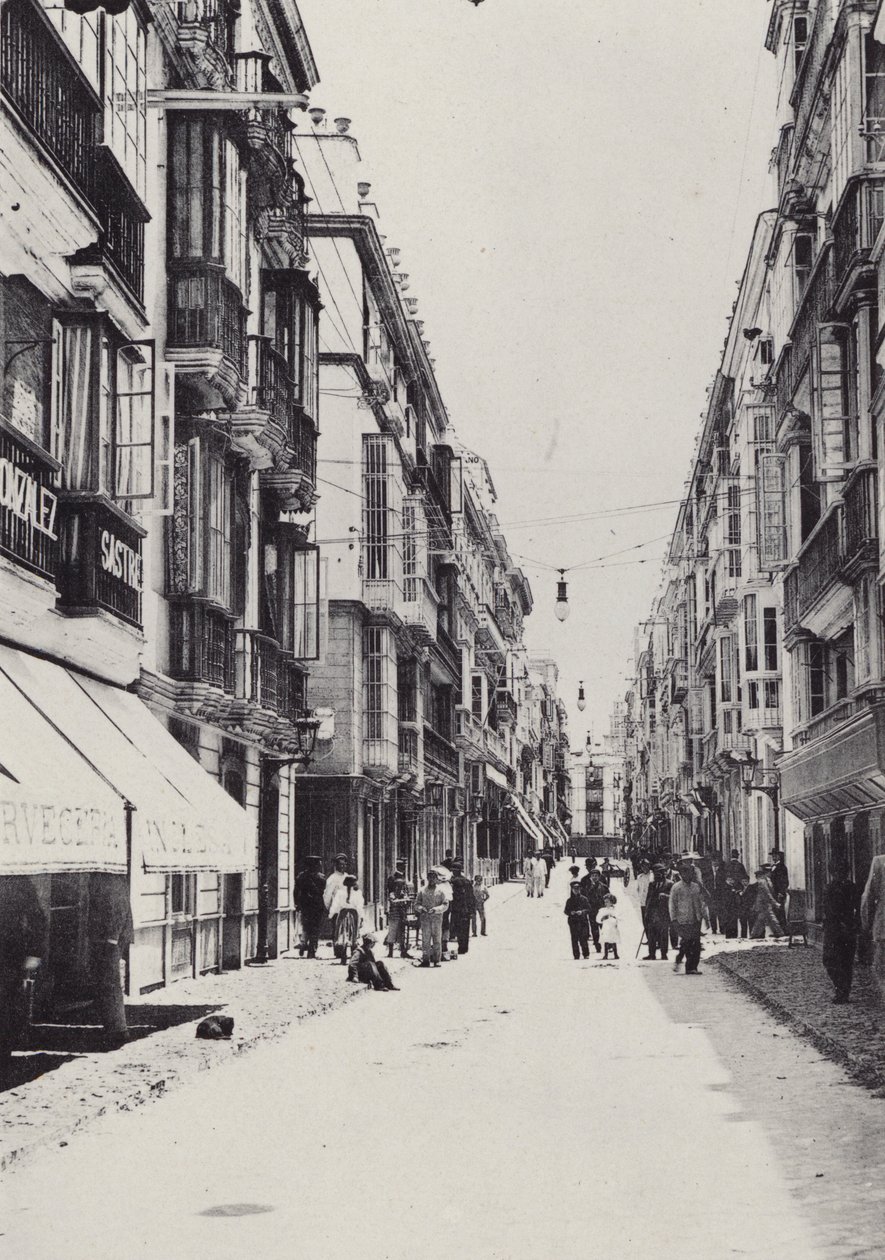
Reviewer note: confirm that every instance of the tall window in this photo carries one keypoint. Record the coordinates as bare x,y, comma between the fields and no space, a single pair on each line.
382,510
234,216
125,94
219,516
817,678
292,587
841,127
726,671
379,689
751,649
207,195
207,530
769,638
832,418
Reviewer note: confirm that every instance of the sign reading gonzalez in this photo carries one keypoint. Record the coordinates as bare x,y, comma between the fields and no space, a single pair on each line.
48,837
23,496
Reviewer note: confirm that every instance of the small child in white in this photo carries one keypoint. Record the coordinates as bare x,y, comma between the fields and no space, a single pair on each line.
609,933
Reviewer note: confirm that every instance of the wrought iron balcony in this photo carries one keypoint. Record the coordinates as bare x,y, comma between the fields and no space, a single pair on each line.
201,645
100,565
206,28
861,532
122,217
408,751
820,562
272,388
206,313
258,675
440,757
505,703
28,503
292,698
856,225
49,91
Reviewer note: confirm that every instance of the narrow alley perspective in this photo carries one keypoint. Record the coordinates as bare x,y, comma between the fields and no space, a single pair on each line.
523,1102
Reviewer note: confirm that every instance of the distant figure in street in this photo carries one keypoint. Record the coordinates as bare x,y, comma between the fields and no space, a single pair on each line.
657,914
310,902
397,911
609,932
688,911
110,935
734,869
730,893
528,874
594,890
398,873
746,908
23,929
347,912
764,907
577,911
540,874
779,878
872,913
480,897
430,906
549,862
367,969
572,853
643,880
444,883
463,907
841,923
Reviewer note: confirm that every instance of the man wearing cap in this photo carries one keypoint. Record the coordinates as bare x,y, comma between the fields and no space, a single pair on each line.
577,911
310,889
463,906
688,910
594,890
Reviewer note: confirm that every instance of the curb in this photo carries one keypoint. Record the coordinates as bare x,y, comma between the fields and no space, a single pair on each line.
161,1080
859,1068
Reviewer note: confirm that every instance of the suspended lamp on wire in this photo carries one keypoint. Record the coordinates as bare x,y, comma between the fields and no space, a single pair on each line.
582,701
561,607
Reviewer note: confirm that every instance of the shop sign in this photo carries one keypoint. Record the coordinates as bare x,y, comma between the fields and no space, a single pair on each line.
58,837
23,495
120,560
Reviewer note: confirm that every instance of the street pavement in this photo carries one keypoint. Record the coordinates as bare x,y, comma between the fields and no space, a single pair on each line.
513,1104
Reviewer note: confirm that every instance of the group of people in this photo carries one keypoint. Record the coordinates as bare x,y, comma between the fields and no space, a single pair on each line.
590,910
448,907
536,868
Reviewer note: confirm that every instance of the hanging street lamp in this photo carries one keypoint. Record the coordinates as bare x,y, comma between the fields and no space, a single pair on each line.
561,607
582,702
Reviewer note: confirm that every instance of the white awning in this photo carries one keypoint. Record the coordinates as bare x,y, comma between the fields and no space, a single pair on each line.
56,813
182,819
494,775
528,823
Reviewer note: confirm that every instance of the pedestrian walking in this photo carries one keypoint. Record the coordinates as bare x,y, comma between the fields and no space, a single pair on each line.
688,911
480,897
310,902
609,932
430,905
528,874
779,878
444,883
572,853
540,874
549,862
872,914
347,910
397,914
462,908
23,928
110,935
841,923
594,890
764,908
365,968
657,913
334,881
730,893
577,911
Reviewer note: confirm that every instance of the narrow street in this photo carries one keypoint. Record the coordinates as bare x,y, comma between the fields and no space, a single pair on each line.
516,1103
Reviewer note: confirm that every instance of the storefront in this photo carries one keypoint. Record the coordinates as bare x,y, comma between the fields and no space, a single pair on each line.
91,783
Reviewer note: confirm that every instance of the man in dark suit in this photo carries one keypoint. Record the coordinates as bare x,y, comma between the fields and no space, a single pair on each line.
310,886
22,946
462,907
779,878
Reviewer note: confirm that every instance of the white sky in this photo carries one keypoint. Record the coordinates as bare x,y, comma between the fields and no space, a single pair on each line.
573,185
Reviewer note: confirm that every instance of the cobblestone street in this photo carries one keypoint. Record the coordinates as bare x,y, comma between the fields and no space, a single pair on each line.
638,1098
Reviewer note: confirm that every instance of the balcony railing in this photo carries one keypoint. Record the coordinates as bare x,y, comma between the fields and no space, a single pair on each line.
679,682
100,564
828,721
303,437
273,389
408,751
122,216
206,312
861,533
214,19
440,756
49,91
820,561
202,645
857,224
28,504
506,705
258,673
419,606
292,699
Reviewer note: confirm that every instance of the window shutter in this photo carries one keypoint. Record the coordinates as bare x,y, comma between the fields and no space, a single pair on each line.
134,422
772,511
831,411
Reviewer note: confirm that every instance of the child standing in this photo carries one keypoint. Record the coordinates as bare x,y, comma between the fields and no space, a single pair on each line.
609,933
480,896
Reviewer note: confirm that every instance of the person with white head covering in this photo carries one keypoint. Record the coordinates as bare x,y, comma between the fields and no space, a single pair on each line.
347,910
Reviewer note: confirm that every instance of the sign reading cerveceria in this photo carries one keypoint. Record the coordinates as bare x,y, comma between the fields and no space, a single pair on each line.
29,825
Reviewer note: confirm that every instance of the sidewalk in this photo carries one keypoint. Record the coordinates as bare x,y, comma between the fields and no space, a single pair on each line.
792,984
80,1083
